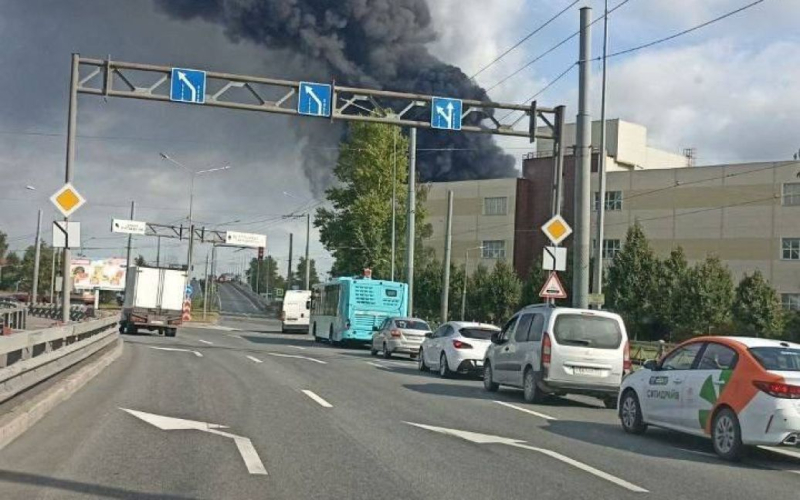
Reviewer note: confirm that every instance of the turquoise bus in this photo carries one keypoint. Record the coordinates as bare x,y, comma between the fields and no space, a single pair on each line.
346,309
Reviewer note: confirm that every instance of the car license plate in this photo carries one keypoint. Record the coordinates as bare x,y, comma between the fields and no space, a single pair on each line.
582,370
156,322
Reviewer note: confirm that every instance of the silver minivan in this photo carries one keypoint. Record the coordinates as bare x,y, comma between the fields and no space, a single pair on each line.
559,350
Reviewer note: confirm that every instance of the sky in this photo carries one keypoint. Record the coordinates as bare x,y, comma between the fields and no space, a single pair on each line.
729,90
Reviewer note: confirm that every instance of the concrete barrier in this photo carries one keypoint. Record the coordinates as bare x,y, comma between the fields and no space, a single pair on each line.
13,316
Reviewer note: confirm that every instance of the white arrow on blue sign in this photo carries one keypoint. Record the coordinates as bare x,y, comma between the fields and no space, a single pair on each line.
314,99
188,85
446,113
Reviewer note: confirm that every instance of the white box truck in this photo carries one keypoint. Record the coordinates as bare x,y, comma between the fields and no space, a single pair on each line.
153,300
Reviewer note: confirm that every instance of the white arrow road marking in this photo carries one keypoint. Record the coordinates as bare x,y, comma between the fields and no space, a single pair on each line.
318,399
478,438
536,413
279,355
205,342
243,444
182,78
254,360
176,350
316,99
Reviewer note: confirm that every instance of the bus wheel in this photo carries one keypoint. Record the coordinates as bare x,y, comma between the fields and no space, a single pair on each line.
314,332
333,341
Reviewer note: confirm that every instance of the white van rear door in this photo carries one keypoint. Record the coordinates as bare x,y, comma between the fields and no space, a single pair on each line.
587,348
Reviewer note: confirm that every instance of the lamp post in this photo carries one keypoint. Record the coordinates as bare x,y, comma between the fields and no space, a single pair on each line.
464,288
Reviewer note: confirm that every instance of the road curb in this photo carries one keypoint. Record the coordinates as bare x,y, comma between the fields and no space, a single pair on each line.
23,417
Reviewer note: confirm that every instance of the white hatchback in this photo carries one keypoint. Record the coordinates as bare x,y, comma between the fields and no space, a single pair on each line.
456,347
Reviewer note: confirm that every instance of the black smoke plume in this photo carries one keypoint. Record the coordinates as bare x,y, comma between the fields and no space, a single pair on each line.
371,43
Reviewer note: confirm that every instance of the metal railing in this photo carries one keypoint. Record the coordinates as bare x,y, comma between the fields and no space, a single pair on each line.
13,315
54,311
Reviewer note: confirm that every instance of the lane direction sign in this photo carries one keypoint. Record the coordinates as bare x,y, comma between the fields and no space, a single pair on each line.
553,288
446,113
314,99
556,229
67,199
128,226
188,85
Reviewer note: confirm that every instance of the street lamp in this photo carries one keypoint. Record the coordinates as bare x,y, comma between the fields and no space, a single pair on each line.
464,288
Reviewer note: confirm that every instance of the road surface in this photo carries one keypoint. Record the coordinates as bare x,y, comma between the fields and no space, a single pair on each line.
304,420
234,300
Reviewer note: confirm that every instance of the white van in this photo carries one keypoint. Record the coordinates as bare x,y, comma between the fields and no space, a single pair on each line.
558,350
296,310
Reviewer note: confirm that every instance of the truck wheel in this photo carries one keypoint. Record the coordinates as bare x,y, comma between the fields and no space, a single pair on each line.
171,332
131,329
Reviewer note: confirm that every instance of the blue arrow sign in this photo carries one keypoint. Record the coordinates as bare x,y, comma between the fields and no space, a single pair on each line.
314,99
188,85
446,113
189,290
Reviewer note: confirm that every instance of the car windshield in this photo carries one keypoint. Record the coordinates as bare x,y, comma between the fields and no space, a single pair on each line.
412,324
477,333
583,330
782,359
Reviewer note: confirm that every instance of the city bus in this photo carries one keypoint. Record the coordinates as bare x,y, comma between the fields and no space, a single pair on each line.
347,309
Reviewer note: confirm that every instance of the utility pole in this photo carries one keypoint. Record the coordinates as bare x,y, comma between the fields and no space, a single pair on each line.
601,171
130,236
448,241
269,273
72,124
158,252
394,199
558,177
258,274
583,170
35,288
52,276
205,290
289,274
308,264
411,214
213,271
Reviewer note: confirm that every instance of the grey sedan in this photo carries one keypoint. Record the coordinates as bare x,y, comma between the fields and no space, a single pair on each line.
399,335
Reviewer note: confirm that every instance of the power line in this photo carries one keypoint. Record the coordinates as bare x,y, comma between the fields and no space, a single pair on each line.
523,40
543,89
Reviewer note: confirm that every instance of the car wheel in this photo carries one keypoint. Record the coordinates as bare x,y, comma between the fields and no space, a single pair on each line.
488,382
530,391
610,403
386,352
727,435
630,414
372,350
421,363
444,369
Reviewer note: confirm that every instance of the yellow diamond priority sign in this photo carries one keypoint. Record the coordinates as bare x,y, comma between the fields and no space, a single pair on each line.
557,229
67,199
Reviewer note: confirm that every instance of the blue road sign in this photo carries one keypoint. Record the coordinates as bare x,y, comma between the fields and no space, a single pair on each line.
188,85
314,99
446,113
189,290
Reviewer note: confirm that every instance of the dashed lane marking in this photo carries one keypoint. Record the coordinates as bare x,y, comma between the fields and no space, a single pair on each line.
254,359
317,399
525,410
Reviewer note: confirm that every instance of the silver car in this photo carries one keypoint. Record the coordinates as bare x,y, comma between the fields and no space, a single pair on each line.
399,335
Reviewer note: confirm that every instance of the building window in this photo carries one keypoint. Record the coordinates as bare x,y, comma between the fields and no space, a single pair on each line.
495,206
791,194
790,248
494,249
613,200
611,248
791,301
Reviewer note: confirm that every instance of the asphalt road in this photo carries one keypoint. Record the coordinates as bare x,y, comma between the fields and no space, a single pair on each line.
358,434
235,301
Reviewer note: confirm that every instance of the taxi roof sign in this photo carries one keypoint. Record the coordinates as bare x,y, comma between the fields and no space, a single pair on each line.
556,229
67,199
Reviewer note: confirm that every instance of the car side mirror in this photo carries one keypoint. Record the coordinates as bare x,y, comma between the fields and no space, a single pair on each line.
428,335
651,364
496,338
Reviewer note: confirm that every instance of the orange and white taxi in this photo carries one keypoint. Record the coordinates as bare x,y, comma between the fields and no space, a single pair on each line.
737,390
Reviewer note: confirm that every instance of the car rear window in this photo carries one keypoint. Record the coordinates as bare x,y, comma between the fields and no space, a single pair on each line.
411,325
478,333
582,330
784,359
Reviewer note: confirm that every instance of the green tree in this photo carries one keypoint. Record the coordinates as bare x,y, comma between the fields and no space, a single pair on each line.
706,297
267,275
757,308
632,287
12,272
3,246
536,279
300,276
504,292
356,230
791,329
428,281
670,276
477,303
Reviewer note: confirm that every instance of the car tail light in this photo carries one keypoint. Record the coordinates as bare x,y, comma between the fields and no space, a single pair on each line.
779,389
461,345
626,357
546,350
395,333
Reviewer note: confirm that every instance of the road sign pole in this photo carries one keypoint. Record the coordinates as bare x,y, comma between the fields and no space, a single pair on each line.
308,264
35,288
205,290
601,172
583,170
448,242
72,124
411,215
289,273
130,236
464,288
394,199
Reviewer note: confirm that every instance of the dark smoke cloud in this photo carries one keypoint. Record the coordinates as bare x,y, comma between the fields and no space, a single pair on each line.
374,43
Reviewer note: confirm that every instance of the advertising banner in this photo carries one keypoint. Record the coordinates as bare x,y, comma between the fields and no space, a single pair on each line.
105,274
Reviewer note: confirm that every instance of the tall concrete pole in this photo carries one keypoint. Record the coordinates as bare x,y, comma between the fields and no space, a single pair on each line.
52,276
130,236
448,242
35,288
411,215
558,181
601,171
583,170
394,199
189,257
205,290
289,273
308,263
72,124
158,252
464,288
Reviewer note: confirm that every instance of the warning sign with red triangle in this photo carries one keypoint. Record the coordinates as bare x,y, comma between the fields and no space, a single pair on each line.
553,289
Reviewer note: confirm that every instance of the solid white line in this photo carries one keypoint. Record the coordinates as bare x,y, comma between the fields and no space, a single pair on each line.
205,342
250,456
176,350
279,355
296,347
254,360
318,399
519,408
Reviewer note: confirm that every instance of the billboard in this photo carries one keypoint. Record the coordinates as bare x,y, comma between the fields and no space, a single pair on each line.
105,274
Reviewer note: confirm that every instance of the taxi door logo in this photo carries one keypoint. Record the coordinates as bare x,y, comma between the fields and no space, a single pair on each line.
709,393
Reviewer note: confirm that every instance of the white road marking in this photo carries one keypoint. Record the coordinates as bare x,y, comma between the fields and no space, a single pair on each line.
781,451
279,355
377,365
318,399
205,342
175,349
246,449
525,410
296,347
254,360
478,438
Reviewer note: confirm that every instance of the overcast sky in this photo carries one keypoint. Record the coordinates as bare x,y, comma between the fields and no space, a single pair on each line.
730,90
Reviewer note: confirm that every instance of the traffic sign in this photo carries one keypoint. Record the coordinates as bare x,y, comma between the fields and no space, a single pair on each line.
245,239
446,113
279,293
189,290
553,289
66,234
188,85
67,199
554,259
557,229
314,99
597,299
128,226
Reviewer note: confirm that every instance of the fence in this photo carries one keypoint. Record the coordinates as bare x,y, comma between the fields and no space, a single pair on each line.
54,311
642,351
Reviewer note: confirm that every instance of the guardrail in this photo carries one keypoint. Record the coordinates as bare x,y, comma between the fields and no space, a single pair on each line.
54,311
28,358
13,315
